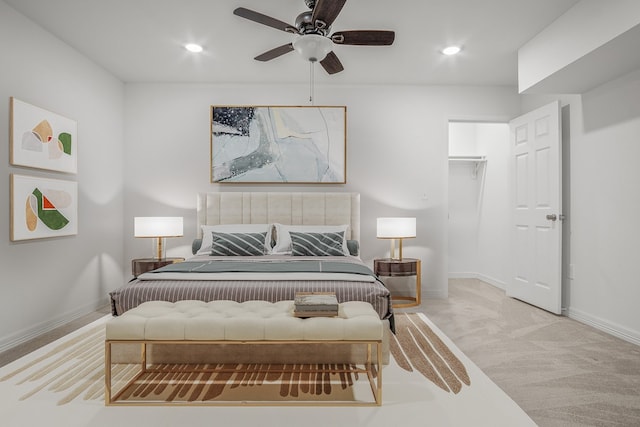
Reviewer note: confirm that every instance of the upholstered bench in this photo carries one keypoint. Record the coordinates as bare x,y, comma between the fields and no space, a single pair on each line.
216,323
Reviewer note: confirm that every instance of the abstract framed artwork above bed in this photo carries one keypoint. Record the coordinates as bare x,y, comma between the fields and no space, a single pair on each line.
278,144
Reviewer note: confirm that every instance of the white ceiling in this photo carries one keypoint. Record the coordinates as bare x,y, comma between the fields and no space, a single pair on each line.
141,40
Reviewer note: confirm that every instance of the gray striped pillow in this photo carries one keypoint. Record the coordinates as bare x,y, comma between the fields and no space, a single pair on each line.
229,244
317,244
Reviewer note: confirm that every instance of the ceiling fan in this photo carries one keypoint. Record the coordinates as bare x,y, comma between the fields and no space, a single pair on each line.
312,28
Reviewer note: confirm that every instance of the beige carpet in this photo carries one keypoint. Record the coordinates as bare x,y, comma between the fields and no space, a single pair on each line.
428,382
561,372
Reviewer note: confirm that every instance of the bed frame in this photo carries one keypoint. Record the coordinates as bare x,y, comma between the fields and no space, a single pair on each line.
292,208
280,207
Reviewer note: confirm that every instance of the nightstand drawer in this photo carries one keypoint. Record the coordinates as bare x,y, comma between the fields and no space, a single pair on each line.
395,267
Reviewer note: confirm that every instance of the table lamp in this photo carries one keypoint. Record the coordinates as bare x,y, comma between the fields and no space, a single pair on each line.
158,227
396,229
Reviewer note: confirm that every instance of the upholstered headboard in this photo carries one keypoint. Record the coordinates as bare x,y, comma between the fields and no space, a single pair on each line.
280,207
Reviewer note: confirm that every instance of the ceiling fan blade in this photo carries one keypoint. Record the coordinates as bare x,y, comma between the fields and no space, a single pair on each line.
264,20
275,52
364,37
331,63
326,11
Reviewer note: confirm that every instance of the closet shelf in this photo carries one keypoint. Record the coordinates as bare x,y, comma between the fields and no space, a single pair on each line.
478,160
467,159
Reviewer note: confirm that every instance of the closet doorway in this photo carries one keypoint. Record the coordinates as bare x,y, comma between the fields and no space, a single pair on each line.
479,209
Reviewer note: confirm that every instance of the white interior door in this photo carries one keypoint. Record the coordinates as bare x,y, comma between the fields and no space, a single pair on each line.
536,201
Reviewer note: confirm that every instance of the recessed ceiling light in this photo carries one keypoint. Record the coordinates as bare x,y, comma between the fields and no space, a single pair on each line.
192,47
451,50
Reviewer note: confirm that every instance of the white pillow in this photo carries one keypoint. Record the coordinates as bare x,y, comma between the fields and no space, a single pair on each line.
283,239
207,237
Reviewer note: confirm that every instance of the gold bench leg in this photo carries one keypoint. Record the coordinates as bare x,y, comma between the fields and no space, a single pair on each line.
112,398
376,384
379,382
107,372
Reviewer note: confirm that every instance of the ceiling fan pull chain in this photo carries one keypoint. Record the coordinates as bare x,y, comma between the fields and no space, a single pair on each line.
311,82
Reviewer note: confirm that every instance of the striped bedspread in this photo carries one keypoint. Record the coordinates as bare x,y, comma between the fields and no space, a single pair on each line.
264,278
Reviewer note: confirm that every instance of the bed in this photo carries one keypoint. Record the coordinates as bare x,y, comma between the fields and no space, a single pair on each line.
286,219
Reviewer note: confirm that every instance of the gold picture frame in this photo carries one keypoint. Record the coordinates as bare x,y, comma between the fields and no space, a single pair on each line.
42,139
278,144
42,207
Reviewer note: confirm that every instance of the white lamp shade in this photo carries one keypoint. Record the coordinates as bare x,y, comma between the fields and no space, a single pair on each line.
313,47
396,228
157,226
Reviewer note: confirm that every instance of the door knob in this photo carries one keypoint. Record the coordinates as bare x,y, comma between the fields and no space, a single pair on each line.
552,217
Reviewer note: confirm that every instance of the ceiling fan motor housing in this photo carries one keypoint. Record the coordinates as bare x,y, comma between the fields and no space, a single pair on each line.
305,25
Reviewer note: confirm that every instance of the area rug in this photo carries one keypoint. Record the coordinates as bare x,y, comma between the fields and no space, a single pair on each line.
428,382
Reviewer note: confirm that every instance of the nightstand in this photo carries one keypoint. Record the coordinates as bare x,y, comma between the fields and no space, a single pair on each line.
142,265
404,267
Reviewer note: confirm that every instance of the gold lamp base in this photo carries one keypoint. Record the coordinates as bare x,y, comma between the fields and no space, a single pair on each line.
159,247
393,249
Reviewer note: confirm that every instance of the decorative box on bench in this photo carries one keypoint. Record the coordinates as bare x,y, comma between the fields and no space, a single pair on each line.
315,304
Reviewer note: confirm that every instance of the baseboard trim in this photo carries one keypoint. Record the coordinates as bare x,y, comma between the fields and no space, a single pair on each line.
11,341
603,325
463,275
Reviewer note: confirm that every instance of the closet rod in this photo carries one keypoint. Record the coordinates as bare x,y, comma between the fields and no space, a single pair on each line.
468,158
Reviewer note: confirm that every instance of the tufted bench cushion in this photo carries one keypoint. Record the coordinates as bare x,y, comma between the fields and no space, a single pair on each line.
245,321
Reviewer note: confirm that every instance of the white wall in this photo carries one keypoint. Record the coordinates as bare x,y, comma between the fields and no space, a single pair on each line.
478,204
50,281
396,156
584,48
604,204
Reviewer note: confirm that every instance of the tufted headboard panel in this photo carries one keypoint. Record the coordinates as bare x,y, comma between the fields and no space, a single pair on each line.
281,207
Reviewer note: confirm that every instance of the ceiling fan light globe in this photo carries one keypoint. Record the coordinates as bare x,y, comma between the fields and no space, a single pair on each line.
312,47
